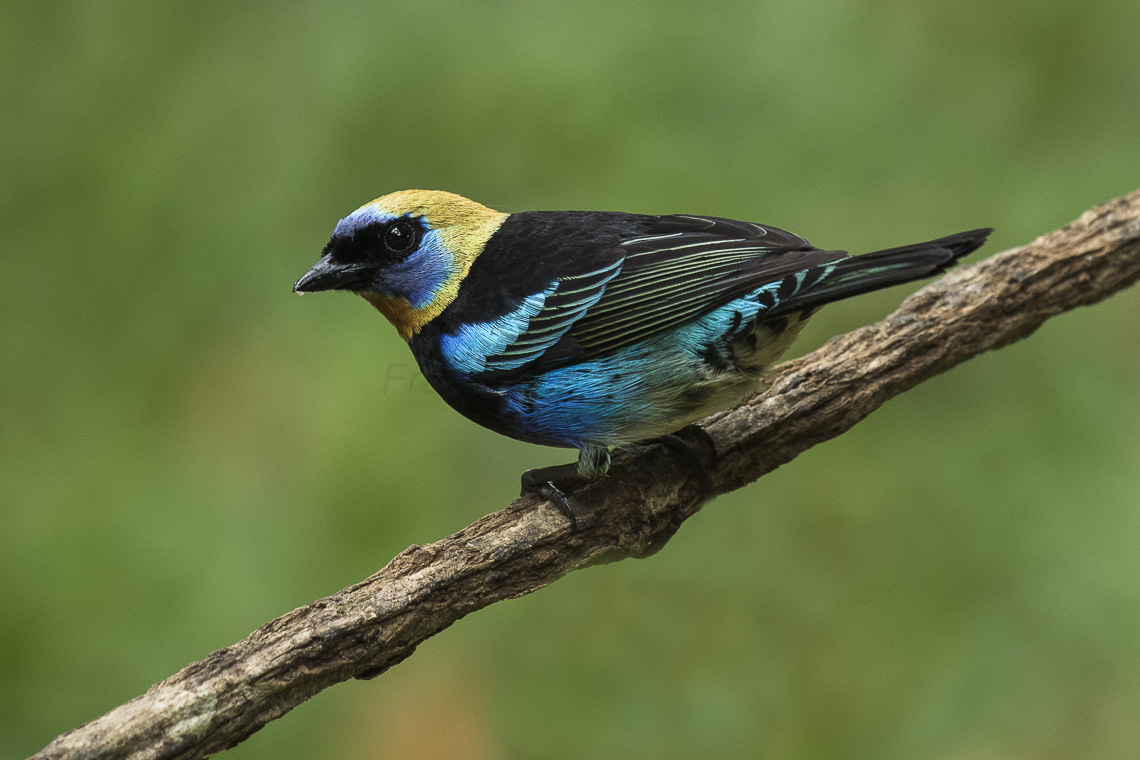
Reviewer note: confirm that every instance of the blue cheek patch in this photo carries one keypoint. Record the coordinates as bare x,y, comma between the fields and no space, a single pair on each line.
421,276
418,278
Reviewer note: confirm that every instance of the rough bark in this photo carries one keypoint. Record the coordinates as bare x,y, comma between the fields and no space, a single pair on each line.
366,628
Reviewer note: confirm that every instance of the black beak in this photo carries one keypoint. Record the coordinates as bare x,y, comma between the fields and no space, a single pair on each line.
327,274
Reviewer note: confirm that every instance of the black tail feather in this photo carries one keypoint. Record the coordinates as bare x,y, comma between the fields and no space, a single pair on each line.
861,274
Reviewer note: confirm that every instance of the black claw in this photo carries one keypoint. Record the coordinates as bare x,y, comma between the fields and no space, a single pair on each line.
554,495
698,430
541,481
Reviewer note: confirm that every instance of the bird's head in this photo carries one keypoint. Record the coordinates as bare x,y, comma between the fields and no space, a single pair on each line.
406,253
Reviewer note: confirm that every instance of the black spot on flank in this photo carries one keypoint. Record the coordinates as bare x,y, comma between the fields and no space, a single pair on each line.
714,356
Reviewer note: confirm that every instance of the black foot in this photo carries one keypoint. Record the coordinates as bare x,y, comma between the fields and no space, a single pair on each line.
677,441
544,482
697,430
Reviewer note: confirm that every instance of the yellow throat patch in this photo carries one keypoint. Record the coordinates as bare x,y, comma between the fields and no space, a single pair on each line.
463,228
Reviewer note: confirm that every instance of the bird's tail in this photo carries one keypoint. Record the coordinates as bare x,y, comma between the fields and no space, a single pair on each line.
861,274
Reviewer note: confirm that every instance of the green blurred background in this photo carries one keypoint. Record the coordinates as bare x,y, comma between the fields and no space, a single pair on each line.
187,450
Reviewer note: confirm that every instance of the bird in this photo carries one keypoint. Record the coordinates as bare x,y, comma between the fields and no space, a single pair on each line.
595,330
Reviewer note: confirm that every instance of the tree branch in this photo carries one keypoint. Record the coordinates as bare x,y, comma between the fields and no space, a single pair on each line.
367,628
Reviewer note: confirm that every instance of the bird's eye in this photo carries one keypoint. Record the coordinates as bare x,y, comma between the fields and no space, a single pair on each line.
400,237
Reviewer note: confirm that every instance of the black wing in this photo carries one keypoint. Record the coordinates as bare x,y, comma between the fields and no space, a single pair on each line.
590,297
687,266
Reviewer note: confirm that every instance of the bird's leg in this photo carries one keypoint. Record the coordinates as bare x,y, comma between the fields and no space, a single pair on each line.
677,441
549,482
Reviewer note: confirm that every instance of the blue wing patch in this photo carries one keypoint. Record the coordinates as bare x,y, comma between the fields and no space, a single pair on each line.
570,299
522,335
476,344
